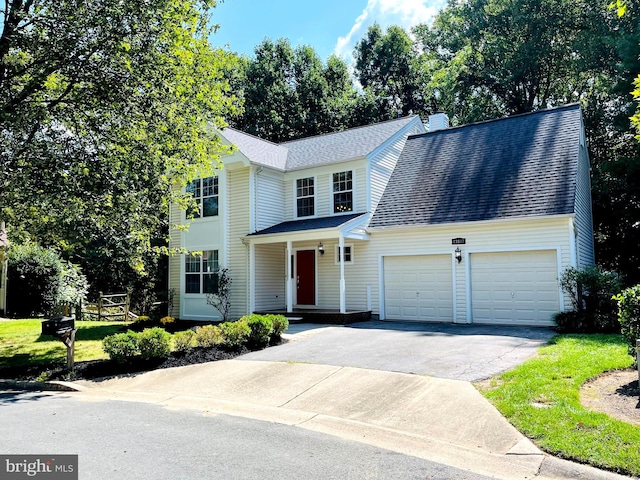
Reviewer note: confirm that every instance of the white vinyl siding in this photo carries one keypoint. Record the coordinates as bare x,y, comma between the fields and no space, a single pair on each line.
270,276
175,261
238,227
382,165
269,199
584,218
514,288
419,288
323,188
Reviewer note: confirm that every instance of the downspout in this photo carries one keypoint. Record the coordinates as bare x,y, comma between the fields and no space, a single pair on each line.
343,288
573,250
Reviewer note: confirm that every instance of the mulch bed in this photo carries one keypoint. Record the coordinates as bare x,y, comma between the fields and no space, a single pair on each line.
94,369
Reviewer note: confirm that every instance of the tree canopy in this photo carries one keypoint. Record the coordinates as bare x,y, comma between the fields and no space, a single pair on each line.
105,108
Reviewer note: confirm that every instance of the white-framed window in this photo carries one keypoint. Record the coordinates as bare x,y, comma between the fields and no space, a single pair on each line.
343,192
201,272
348,254
205,193
305,197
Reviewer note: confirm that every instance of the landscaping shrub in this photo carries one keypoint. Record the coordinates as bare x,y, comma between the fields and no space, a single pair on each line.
629,316
208,336
34,279
167,320
154,343
39,283
591,291
234,334
260,327
280,324
121,346
184,340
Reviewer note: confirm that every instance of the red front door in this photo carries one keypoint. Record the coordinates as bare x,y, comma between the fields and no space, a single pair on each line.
306,277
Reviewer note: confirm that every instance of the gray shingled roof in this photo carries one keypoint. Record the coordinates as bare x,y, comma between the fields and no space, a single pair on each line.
319,150
257,150
518,166
308,224
340,146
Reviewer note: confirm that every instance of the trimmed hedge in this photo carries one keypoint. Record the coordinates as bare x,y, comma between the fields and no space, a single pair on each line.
629,316
121,347
234,334
154,343
261,327
208,336
184,340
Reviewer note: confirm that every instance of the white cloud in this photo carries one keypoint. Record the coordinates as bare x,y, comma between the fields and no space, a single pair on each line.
405,13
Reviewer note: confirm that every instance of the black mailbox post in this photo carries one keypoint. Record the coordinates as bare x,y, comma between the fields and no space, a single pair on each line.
63,328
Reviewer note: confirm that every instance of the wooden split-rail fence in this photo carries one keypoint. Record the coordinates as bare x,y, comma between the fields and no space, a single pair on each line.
109,307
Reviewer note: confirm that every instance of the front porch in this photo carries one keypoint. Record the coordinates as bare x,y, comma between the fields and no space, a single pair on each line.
329,317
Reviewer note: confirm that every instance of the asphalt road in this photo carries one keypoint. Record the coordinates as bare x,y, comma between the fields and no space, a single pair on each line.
456,352
130,440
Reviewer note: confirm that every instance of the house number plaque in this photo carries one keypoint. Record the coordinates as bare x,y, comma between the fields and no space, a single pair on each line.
458,241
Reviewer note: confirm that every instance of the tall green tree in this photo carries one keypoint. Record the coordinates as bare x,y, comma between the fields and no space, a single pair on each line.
514,56
290,93
385,64
105,108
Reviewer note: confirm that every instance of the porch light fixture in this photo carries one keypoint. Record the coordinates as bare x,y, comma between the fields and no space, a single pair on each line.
321,249
458,254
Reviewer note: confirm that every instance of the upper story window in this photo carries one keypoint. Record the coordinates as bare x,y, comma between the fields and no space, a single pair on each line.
343,192
205,193
305,197
201,272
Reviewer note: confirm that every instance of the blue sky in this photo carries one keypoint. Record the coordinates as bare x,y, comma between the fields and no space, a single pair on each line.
329,26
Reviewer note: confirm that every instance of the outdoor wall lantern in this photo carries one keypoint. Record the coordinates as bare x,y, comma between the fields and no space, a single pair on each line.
321,249
458,254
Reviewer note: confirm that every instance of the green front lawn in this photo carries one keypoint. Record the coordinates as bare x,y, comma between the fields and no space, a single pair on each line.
22,344
541,399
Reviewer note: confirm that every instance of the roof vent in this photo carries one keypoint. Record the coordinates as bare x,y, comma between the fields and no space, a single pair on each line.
438,121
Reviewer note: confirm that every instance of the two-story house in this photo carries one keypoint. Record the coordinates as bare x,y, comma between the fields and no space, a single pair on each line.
466,224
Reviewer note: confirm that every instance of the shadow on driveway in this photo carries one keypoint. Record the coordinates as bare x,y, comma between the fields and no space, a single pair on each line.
457,352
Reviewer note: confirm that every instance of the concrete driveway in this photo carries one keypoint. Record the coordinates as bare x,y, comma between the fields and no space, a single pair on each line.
457,352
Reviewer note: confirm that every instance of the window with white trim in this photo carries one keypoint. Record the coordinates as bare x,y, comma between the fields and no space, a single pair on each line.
205,193
343,192
348,254
305,197
201,272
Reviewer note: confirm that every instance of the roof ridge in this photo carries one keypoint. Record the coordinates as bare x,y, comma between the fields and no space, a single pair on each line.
348,129
495,120
252,136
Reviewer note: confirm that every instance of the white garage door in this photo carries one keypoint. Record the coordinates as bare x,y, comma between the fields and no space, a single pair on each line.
418,287
515,288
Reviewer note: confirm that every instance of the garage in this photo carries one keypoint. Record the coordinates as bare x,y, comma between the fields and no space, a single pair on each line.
419,288
514,288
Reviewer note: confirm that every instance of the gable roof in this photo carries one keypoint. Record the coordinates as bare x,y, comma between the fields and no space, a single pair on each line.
525,165
318,150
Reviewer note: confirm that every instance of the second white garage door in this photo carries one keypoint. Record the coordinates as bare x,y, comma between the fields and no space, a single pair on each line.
514,288
418,288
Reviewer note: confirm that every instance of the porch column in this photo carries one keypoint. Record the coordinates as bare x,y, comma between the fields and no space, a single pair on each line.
289,276
343,287
252,277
